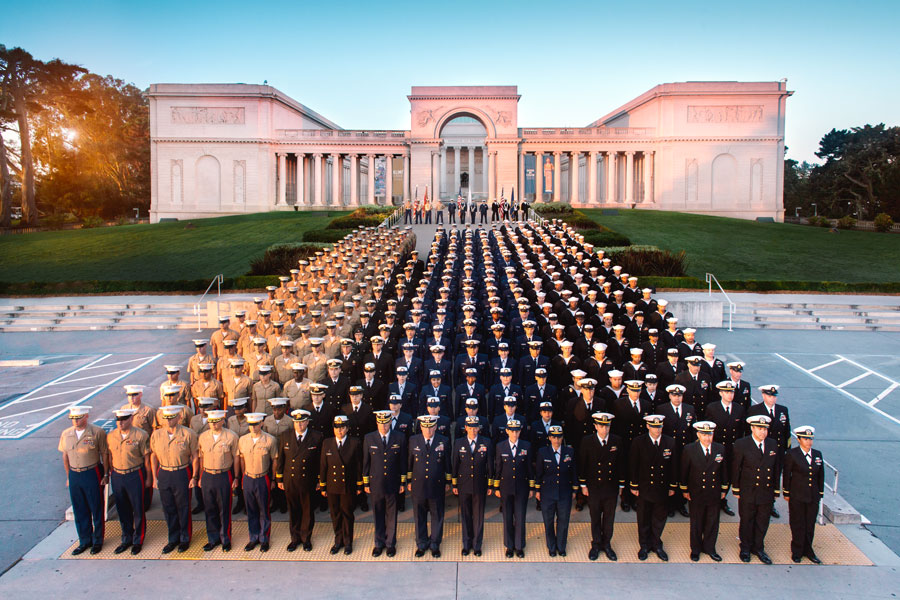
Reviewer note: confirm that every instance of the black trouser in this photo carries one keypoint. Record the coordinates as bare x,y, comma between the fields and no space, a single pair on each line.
423,507
556,521
276,496
439,217
802,517
175,496
384,510
128,491
603,517
651,520
86,494
514,506
300,512
471,513
341,507
704,526
484,218
754,524
216,489
407,217
451,218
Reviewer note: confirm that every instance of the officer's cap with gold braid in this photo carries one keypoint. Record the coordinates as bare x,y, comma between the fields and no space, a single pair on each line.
383,416
654,420
602,418
705,426
759,421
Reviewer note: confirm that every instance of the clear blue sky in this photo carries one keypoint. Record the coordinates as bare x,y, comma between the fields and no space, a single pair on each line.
573,61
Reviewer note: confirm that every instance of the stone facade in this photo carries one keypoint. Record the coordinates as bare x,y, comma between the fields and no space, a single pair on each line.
704,147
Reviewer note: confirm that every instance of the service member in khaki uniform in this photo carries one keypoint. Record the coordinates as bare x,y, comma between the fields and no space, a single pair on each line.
275,424
144,415
218,453
236,384
207,387
283,371
297,389
239,425
129,462
258,451
174,463
84,449
220,335
223,363
264,389
201,357
315,361
258,357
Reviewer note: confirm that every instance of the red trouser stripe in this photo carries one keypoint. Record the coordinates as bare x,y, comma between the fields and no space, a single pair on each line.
268,512
143,513
228,507
102,501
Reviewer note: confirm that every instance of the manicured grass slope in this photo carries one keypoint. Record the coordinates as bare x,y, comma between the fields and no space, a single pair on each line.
165,251
739,249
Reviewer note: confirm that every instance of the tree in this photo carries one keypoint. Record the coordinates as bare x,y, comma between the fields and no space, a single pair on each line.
26,82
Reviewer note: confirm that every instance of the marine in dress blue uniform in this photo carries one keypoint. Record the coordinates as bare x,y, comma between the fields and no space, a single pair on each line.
555,481
428,474
472,464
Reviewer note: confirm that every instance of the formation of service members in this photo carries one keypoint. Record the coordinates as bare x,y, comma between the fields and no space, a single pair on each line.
416,212
514,361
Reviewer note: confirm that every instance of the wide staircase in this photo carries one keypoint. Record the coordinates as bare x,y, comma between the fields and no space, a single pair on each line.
822,316
24,317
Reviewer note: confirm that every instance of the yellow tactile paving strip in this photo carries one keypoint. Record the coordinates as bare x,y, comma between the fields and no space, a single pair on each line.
830,544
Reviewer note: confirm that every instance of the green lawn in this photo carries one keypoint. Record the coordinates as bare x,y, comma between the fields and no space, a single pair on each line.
165,251
739,249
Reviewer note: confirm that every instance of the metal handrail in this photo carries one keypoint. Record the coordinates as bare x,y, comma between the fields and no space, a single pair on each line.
218,280
830,488
732,307
391,219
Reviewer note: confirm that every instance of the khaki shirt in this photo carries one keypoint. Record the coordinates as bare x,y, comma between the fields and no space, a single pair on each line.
184,420
176,452
218,454
183,397
298,393
283,371
85,452
276,429
199,423
194,365
208,389
316,368
241,428
236,389
253,361
261,393
223,367
218,337
259,455
128,453
144,418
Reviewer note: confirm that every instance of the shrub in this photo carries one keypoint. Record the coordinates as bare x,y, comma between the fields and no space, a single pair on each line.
817,221
883,222
58,220
281,258
92,222
659,263
846,222
606,237
326,236
367,216
552,208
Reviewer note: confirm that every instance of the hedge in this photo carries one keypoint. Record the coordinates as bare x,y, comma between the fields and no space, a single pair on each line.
756,285
326,236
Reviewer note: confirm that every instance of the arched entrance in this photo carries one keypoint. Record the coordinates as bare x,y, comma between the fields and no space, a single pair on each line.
463,157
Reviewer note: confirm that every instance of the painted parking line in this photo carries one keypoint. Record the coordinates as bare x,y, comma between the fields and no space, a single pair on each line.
869,405
18,419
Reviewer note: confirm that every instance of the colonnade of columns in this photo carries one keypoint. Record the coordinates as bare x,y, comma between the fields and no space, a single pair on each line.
335,179
450,184
613,176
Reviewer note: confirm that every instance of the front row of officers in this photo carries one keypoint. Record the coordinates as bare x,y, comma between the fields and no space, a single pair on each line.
386,463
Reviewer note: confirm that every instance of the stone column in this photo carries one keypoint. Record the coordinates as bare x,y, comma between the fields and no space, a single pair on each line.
371,180
457,181
556,175
592,178
648,176
611,193
336,168
442,175
521,178
282,180
471,151
437,159
388,179
485,160
629,176
538,176
573,167
492,162
318,184
354,180
405,177
301,200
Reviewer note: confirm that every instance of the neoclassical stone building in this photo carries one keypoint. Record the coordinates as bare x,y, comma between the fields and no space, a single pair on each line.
705,147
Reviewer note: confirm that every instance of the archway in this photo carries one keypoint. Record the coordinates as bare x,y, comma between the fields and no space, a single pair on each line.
463,162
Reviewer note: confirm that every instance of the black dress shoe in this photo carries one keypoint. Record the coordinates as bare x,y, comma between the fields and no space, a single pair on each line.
611,554
283,509
264,547
796,559
671,513
594,554
197,510
763,557
551,552
401,506
695,557
562,552
169,547
292,546
391,551
477,553
226,547
364,506
579,507
643,554
465,551
775,513
715,556
509,553
626,507
813,558
377,551
520,553
727,510
745,557
136,549
419,553
436,553
348,549
209,546
95,549
183,546
336,548
122,548
80,549
250,546
662,555
684,511
307,547
537,505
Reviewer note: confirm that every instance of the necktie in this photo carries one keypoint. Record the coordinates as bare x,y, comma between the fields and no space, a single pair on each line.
428,443
706,452
728,410
656,443
340,444
678,412
772,413
636,407
514,450
384,439
602,443
556,452
808,458
472,447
